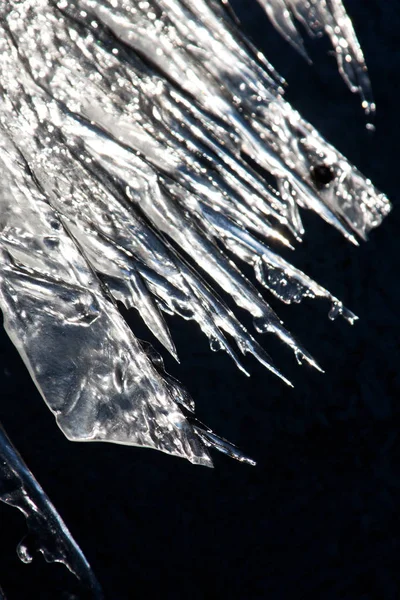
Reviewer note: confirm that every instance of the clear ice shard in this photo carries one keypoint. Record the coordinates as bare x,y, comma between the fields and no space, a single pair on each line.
91,370
47,533
85,361
329,17
127,131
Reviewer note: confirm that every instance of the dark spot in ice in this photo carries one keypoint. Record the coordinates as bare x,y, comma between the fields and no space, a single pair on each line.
119,377
321,175
52,243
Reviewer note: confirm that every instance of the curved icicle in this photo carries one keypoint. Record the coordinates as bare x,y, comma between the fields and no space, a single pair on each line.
48,533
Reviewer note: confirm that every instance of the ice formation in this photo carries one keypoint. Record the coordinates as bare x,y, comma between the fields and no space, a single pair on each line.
329,17
47,532
127,133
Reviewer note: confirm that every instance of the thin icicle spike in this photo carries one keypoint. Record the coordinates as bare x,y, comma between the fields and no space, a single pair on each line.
267,128
47,533
329,17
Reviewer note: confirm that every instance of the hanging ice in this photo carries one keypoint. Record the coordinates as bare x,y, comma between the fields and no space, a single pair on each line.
127,130
329,17
90,369
47,532
124,158
194,44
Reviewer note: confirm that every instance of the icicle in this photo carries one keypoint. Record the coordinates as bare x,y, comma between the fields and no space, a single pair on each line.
246,97
85,361
47,531
327,17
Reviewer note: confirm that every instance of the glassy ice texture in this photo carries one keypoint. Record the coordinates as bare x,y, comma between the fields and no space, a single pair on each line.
124,174
196,45
329,17
93,373
127,134
47,532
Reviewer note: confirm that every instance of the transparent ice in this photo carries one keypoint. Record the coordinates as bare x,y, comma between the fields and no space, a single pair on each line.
329,17
127,133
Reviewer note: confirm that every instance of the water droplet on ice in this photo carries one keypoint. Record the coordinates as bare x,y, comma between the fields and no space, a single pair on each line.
215,345
24,553
335,311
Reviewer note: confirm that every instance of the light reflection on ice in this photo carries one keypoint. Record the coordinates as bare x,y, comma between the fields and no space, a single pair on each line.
126,136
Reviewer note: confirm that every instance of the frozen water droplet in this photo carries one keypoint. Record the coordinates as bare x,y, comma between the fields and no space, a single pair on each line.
23,552
215,345
299,357
336,310
260,324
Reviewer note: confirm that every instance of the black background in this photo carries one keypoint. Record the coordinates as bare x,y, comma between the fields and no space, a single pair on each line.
318,517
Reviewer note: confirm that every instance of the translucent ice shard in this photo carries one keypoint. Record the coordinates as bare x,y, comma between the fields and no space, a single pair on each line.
329,17
92,372
127,133
47,531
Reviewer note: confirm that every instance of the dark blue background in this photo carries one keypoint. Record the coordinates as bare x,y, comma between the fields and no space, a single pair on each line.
318,517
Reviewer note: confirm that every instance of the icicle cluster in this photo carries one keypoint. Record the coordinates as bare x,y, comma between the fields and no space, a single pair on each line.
127,133
125,167
329,17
